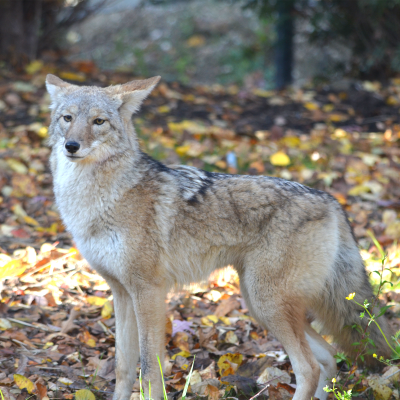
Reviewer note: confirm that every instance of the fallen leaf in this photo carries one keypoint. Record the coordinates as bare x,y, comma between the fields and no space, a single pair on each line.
40,391
381,391
180,340
5,323
24,383
34,66
311,106
185,354
229,362
96,301
280,159
12,268
84,394
226,306
196,41
270,373
107,310
212,392
72,76
65,381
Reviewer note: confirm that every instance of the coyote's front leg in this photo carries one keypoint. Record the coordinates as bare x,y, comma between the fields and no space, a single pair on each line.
127,341
149,303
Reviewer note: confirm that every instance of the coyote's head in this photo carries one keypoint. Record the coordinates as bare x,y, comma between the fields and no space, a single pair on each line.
92,123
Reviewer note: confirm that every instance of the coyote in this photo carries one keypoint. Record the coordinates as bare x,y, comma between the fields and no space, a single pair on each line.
146,227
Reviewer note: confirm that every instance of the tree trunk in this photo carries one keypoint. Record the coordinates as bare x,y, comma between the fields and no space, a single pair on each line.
284,44
19,30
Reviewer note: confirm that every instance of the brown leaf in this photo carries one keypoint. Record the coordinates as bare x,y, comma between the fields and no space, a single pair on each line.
40,391
168,330
226,306
279,393
212,392
69,325
180,340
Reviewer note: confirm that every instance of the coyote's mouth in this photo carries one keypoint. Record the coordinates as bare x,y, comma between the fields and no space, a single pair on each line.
74,157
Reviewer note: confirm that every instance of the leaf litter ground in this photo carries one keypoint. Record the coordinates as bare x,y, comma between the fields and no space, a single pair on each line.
56,314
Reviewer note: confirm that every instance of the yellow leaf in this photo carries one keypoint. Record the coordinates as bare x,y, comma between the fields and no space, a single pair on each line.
231,338
213,318
196,41
167,142
182,150
221,164
381,391
254,335
393,230
392,101
34,66
263,93
84,394
71,76
73,251
339,134
185,354
206,321
91,342
291,141
280,159
163,109
311,106
65,381
17,166
31,221
96,301
328,107
19,211
43,131
338,117
24,383
5,324
341,198
228,361
186,125
12,268
358,190
225,320
107,310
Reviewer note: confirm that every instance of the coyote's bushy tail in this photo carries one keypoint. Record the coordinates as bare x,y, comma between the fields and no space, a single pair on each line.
337,315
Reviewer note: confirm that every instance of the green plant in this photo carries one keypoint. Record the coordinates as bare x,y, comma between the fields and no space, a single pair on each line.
142,395
89,385
365,341
337,393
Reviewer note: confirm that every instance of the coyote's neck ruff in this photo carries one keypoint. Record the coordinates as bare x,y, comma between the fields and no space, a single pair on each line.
145,227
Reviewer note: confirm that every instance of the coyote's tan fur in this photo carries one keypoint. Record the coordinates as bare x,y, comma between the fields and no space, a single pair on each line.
146,227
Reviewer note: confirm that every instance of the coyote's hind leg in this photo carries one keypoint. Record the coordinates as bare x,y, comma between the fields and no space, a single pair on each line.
283,315
323,352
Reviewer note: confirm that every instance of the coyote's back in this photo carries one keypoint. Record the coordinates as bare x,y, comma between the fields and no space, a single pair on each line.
146,227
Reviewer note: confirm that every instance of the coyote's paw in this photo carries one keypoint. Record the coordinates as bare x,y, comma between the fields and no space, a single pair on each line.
123,396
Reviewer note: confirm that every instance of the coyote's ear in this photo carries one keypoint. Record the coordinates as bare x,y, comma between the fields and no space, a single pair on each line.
132,94
56,86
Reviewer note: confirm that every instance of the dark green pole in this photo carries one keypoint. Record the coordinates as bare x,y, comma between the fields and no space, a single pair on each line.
284,43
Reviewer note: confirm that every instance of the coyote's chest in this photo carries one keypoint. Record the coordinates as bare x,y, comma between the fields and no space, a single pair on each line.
88,211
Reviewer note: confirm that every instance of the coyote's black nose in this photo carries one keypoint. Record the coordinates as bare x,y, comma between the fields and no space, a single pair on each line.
72,147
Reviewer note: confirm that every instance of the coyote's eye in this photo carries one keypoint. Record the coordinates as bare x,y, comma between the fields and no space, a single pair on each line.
98,121
67,118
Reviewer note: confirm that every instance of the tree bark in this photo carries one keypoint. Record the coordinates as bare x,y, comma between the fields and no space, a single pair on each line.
19,30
